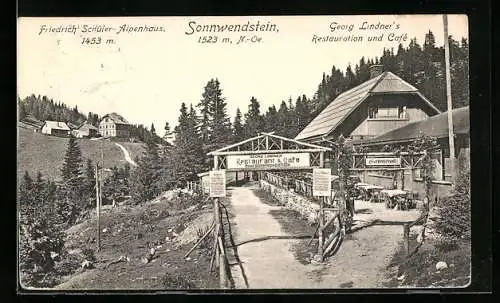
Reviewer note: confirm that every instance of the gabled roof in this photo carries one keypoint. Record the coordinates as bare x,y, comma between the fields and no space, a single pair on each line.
57,125
275,143
87,127
435,126
118,119
338,110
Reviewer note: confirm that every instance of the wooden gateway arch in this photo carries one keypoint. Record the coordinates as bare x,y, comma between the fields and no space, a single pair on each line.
270,152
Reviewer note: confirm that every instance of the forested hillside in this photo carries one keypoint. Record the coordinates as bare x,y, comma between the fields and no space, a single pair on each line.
45,108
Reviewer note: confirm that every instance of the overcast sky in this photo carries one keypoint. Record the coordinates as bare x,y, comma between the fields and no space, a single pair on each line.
146,76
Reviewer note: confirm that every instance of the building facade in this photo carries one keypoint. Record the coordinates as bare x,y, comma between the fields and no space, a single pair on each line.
382,103
86,130
56,128
114,125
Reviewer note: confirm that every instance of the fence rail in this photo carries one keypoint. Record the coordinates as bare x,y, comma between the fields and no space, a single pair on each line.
406,233
300,187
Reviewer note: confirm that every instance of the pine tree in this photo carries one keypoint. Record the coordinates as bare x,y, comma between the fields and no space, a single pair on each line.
238,130
254,122
215,125
71,188
167,127
221,133
89,191
271,119
147,176
21,109
187,153
282,120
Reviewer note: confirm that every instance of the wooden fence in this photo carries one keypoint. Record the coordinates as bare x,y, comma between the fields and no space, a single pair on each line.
300,187
194,186
406,233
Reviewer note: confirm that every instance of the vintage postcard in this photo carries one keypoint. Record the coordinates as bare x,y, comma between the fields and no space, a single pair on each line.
243,152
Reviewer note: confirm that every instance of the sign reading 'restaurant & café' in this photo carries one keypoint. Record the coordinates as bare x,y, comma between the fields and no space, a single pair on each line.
269,161
396,161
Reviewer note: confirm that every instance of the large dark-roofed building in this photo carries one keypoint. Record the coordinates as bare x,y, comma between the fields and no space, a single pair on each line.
382,103
436,126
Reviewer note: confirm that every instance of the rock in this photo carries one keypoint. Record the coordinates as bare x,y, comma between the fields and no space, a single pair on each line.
104,230
170,230
401,278
441,265
124,259
188,258
420,239
144,260
86,264
159,246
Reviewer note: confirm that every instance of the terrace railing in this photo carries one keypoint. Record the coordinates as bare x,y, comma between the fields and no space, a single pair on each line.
300,186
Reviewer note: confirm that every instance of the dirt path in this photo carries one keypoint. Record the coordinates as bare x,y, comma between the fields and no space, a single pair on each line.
360,263
126,154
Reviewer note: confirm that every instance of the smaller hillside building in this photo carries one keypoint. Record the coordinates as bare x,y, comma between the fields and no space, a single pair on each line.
86,130
56,128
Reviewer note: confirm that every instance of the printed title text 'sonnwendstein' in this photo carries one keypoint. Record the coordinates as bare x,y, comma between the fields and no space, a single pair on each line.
194,27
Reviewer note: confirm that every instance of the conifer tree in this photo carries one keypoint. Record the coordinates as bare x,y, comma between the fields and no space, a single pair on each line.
146,177
238,130
188,156
254,122
70,191
215,125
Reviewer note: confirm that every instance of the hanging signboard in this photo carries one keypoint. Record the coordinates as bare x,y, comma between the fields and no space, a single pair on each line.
269,161
322,182
217,183
395,161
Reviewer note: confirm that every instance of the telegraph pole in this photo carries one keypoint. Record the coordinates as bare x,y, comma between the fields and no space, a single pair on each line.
451,134
98,205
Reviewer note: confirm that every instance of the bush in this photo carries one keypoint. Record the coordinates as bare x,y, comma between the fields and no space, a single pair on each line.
41,238
454,218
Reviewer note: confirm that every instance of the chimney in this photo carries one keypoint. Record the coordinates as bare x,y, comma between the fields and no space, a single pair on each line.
376,70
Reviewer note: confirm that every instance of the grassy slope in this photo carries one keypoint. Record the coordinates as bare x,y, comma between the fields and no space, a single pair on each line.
38,152
129,232
419,269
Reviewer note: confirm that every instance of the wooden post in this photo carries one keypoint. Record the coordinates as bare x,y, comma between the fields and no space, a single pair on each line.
98,206
222,265
217,228
320,230
451,134
216,162
406,238
402,179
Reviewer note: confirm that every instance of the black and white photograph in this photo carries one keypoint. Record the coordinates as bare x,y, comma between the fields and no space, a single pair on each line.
243,153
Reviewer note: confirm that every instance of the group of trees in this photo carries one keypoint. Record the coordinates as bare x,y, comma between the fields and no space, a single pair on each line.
43,108
420,65
48,208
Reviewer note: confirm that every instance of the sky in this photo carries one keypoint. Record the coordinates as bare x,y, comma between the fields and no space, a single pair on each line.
145,76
